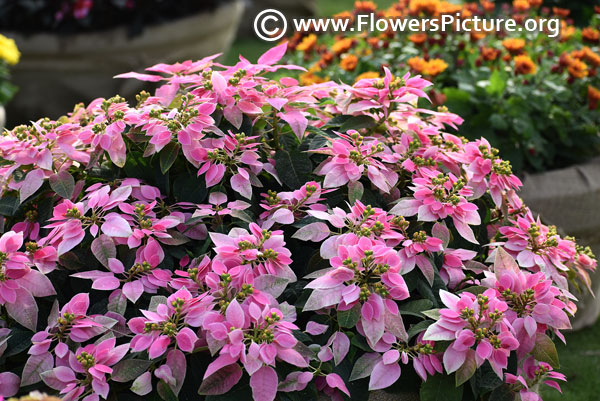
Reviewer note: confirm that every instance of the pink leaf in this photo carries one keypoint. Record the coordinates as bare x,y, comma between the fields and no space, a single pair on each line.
296,120
186,339
340,347
106,283
241,185
9,384
315,232
465,231
38,284
264,384
32,182
426,268
35,365
504,263
273,55
406,207
384,376
116,226
176,361
103,249
315,328
140,77
335,381
25,311
221,361
143,384
235,314
221,381
133,290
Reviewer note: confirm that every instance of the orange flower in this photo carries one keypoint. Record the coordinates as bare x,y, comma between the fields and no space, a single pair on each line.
593,97
342,46
597,9
308,43
349,62
418,38
344,15
364,7
435,67
326,59
566,31
590,56
489,53
449,8
535,3
476,35
577,68
488,6
429,7
367,75
521,5
524,65
417,64
561,12
590,34
513,45
310,78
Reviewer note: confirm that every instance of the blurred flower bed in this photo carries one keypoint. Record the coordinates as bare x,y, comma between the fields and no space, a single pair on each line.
235,234
9,56
73,16
534,97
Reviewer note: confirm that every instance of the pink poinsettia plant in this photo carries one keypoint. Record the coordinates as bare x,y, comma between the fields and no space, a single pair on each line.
238,234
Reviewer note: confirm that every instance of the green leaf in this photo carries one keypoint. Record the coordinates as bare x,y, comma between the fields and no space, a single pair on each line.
63,184
293,168
432,313
467,370
165,392
349,318
503,393
168,155
129,369
9,205
545,350
358,122
441,388
188,188
419,327
155,301
497,84
355,191
415,308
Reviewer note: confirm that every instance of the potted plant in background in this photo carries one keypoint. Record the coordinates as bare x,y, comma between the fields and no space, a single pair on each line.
9,56
534,97
72,48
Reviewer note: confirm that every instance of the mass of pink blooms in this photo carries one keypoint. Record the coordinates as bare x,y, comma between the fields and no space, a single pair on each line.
236,231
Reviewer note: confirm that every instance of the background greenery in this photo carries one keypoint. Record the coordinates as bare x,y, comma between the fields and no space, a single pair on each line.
580,359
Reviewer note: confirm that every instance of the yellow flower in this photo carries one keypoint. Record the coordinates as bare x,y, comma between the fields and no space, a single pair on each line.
307,43
9,51
417,64
435,67
342,45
